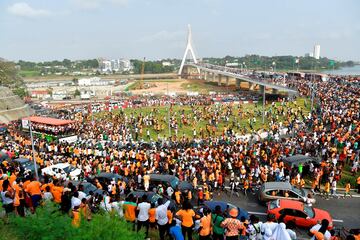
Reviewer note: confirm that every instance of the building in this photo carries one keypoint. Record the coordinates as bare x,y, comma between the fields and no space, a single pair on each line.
125,65
40,94
95,81
166,64
105,66
117,65
317,51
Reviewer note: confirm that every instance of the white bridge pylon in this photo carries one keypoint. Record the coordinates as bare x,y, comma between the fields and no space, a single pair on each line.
189,48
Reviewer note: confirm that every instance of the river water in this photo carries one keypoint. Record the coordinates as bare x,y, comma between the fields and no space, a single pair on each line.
355,70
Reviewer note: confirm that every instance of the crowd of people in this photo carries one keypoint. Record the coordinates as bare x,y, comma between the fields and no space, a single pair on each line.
120,143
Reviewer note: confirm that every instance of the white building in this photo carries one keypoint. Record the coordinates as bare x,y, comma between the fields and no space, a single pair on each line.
117,65
317,51
166,64
94,81
106,66
125,65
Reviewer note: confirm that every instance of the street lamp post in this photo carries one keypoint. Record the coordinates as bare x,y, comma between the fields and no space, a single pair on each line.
33,151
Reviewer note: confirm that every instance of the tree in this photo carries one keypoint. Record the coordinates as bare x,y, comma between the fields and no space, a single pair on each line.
21,92
77,93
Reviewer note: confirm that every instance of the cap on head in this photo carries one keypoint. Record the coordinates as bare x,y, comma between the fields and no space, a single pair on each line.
233,212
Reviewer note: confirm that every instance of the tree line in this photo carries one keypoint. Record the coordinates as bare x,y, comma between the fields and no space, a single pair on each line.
281,62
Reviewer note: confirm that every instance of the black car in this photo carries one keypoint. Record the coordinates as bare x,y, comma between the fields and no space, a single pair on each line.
169,180
24,164
152,197
87,187
105,178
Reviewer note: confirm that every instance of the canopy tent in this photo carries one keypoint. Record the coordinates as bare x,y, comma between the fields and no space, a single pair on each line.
48,121
297,159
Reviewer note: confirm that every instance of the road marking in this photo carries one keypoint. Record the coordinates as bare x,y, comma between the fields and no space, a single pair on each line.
258,213
338,220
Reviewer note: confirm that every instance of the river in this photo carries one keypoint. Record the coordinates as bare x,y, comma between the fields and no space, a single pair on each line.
355,70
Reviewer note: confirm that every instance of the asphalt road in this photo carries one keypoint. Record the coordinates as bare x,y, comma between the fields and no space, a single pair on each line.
345,212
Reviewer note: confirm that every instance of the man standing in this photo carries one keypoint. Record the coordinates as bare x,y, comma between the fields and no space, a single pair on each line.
33,188
161,217
143,216
146,180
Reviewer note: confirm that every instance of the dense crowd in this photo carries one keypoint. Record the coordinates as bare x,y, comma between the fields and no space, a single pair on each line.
117,143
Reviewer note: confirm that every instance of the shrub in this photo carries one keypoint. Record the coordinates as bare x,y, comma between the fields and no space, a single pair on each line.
50,224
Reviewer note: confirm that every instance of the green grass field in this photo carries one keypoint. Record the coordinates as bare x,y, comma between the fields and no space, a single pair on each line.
161,114
33,73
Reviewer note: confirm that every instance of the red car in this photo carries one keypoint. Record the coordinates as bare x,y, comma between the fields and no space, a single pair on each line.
300,213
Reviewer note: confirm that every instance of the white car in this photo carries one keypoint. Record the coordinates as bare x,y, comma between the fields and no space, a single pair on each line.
62,171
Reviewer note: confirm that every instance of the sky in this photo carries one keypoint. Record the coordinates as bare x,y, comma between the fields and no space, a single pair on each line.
43,30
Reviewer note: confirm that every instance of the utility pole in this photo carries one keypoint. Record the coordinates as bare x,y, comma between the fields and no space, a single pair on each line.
33,151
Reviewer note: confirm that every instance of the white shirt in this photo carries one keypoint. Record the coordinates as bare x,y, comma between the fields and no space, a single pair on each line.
48,196
161,213
143,208
327,234
169,191
267,229
292,234
75,202
81,195
117,206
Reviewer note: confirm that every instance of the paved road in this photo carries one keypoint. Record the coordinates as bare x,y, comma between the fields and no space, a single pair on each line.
345,212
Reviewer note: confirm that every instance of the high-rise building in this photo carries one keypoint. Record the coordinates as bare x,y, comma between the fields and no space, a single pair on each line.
317,51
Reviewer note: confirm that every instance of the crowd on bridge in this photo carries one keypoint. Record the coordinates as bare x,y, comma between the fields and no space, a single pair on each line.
117,143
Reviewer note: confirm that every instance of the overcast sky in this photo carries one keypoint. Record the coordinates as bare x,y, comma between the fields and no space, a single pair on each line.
80,29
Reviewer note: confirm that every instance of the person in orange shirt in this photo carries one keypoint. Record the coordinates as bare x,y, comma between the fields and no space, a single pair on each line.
57,191
169,215
152,220
85,209
76,217
186,215
205,225
19,201
34,189
177,196
347,189
129,207
358,184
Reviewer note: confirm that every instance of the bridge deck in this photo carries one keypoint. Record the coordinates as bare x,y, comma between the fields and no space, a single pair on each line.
244,78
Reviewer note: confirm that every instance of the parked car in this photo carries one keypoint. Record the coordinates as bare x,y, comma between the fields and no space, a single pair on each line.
88,187
152,197
295,160
277,190
166,180
302,214
62,171
224,208
3,157
105,178
25,164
